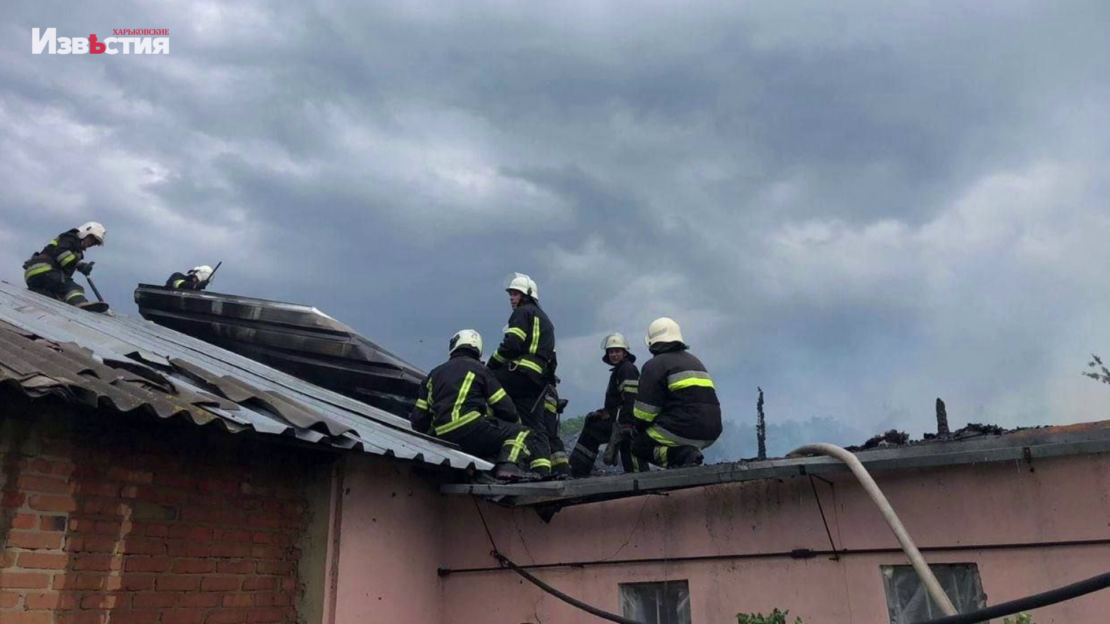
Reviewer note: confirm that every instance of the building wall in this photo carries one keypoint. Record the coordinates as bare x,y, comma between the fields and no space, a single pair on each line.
132,519
988,509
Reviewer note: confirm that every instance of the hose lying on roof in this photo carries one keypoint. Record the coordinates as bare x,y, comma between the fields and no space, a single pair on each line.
1036,601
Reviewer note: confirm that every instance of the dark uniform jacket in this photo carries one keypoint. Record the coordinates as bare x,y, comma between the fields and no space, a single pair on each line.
457,393
61,254
529,343
620,395
181,281
676,393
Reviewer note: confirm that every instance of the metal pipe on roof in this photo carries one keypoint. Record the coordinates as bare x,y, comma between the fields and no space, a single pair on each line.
877,496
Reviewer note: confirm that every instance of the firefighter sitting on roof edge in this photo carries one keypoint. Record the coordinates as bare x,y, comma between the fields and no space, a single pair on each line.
196,279
523,363
553,408
50,271
620,396
462,402
677,413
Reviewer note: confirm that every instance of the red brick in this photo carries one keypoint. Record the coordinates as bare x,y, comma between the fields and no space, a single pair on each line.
137,582
9,599
148,564
77,525
48,467
40,617
135,616
34,540
201,601
275,567
53,601
104,601
143,546
221,583
91,543
50,485
226,616
53,503
24,580
42,561
154,600
105,508
7,560
79,581
130,476
265,615
183,616
155,530
53,523
190,532
236,567
238,600
264,521
82,617
96,488
262,538
177,583
175,480
260,583
267,552
198,566
24,521
101,563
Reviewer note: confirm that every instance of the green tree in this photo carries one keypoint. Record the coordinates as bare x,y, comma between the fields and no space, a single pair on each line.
572,425
1098,370
775,617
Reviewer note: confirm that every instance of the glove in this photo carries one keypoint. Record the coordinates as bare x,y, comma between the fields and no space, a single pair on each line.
85,267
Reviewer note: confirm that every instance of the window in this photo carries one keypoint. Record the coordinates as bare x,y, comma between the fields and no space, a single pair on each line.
656,603
909,602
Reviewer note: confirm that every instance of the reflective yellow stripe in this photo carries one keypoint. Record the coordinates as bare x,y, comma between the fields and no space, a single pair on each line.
661,456
65,258
459,400
518,446
535,335
422,404
37,269
74,293
518,332
178,283
496,396
53,241
466,419
529,365
497,356
551,407
540,463
660,438
560,459
688,383
642,415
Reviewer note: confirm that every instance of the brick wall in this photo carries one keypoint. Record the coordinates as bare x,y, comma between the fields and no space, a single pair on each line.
110,518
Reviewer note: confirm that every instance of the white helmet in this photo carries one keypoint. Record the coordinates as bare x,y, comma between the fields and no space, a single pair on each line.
466,338
614,341
203,272
663,330
524,285
93,229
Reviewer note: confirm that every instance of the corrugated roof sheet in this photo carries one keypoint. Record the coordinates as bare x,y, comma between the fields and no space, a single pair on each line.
126,363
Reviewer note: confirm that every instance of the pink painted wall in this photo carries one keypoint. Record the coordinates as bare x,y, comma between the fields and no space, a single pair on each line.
392,546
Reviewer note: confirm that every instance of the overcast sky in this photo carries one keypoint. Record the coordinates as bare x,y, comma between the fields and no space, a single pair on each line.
859,206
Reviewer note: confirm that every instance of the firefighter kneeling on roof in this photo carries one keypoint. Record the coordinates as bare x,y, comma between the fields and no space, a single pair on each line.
677,412
462,402
50,271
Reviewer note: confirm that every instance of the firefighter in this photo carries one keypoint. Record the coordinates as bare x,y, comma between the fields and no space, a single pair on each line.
553,408
462,402
620,395
523,363
50,271
677,413
196,279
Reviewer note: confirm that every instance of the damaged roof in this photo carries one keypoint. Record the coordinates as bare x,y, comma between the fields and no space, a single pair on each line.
128,364
988,446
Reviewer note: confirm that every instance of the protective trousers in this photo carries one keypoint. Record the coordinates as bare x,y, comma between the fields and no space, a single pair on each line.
527,396
560,463
55,284
495,440
655,449
595,432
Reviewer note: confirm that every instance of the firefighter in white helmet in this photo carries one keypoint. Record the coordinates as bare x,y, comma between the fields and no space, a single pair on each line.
524,363
613,423
462,402
677,413
50,271
196,279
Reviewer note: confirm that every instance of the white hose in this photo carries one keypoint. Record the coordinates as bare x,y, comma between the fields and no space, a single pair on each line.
869,486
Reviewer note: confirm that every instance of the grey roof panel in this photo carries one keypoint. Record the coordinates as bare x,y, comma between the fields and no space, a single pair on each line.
125,362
